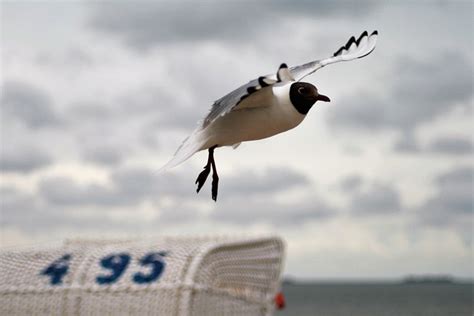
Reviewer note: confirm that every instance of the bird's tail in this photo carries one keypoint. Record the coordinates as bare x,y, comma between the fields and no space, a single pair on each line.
191,145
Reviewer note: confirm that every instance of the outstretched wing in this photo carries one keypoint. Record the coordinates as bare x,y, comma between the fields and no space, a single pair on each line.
235,99
354,48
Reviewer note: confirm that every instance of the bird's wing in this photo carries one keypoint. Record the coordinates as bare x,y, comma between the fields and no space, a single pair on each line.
235,99
354,48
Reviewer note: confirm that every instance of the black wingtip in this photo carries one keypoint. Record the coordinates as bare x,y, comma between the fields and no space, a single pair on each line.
364,34
261,82
338,51
356,41
350,41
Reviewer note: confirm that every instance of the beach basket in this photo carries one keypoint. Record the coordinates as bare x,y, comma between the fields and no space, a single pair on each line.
166,276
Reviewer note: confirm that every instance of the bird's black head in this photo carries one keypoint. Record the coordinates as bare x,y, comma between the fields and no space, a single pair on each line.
303,95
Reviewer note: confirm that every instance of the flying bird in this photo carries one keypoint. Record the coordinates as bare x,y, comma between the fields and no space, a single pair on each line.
262,108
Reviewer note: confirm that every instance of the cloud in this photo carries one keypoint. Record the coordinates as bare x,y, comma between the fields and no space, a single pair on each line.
270,181
104,155
407,143
351,183
63,201
459,176
126,186
272,211
264,203
27,104
32,214
76,58
443,145
64,191
451,145
453,200
20,158
15,206
378,199
151,24
423,90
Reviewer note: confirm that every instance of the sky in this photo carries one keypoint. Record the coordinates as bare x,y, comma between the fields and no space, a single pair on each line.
97,96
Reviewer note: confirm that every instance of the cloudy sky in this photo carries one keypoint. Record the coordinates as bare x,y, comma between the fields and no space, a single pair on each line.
96,96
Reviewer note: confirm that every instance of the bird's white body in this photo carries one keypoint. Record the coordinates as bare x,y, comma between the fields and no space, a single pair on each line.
274,116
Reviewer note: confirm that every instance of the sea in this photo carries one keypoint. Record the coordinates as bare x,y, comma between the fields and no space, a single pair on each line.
378,299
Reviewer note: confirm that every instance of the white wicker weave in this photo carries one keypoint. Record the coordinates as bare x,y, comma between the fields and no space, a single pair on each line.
168,276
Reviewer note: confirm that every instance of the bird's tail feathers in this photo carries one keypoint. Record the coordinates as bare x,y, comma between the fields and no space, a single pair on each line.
191,145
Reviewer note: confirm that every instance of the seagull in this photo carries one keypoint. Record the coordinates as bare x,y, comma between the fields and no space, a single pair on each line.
262,108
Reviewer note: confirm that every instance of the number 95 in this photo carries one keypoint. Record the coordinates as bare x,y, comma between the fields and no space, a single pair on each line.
118,263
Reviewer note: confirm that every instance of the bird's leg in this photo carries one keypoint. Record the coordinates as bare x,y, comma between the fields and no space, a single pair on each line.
202,177
215,177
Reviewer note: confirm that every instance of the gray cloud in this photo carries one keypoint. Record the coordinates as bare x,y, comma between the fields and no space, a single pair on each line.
260,192
76,58
104,155
256,210
423,90
64,191
407,143
133,185
461,176
33,215
59,200
15,205
27,104
107,134
453,200
444,145
351,183
270,181
126,187
378,199
143,26
18,158
451,145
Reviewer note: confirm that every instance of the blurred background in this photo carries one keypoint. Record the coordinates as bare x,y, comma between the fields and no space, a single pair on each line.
377,184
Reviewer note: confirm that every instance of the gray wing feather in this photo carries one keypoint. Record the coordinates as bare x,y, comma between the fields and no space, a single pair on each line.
231,100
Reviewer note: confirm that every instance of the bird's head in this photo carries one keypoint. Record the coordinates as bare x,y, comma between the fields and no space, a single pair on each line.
303,95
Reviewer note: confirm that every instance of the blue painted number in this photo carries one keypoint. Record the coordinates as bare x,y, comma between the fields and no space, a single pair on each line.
117,263
57,270
153,260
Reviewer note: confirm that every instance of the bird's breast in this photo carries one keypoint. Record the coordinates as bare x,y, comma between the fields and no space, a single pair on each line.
253,123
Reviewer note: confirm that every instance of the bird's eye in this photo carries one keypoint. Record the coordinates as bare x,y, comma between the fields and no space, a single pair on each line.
302,90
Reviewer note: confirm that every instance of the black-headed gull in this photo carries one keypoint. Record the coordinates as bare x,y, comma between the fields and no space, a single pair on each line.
264,107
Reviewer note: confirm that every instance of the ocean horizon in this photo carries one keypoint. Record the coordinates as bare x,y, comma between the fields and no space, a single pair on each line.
382,298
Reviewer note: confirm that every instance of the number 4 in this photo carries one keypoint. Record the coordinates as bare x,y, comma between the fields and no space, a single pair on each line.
57,270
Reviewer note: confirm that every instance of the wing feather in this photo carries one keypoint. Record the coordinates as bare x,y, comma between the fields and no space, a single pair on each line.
236,98
353,49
